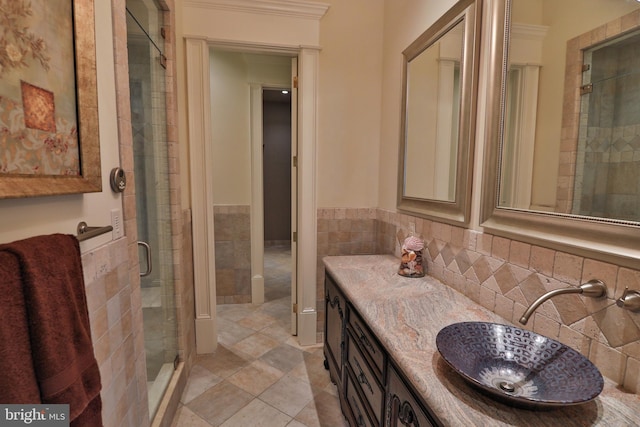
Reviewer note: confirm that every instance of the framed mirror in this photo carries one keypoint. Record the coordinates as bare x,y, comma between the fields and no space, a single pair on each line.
562,165
438,116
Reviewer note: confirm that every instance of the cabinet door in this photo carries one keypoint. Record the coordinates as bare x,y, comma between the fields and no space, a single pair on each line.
334,329
403,409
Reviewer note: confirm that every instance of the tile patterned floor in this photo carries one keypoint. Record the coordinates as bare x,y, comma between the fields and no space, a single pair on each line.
259,375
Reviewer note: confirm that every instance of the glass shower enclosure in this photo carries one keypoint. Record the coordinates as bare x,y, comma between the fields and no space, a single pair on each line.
153,210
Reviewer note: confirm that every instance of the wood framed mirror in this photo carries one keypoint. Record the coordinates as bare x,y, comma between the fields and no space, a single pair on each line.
439,90
562,158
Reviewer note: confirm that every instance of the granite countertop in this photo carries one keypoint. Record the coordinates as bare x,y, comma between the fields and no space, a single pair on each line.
406,315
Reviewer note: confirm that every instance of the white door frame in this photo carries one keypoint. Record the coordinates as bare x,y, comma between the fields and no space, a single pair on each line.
257,193
199,131
257,196
294,196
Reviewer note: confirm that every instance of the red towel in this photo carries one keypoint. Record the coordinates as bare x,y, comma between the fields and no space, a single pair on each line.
59,334
18,383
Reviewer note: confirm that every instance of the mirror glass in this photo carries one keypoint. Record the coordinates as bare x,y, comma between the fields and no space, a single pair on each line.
432,119
439,83
570,143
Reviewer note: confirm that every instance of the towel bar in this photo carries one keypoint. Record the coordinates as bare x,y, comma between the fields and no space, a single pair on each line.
85,232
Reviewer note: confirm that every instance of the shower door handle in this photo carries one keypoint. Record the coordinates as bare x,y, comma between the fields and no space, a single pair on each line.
147,248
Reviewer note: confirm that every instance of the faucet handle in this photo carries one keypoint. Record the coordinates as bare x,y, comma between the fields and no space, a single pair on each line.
630,300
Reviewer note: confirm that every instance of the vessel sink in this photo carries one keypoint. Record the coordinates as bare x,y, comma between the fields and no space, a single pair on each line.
519,367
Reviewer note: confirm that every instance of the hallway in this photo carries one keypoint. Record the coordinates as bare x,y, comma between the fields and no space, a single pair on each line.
259,375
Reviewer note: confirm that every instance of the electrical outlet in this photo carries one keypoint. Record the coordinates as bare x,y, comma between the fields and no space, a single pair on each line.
116,223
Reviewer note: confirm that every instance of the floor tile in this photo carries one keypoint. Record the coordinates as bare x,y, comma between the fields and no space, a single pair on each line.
323,410
256,345
223,362
258,414
230,332
259,374
220,403
185,417
288,394
283,357
256,377
200,380
312,371
257,321
278,332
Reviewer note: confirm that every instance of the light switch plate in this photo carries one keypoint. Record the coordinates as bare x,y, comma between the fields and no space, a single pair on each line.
116,223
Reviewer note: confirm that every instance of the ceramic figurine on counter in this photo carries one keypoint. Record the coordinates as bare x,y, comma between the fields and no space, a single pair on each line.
411,264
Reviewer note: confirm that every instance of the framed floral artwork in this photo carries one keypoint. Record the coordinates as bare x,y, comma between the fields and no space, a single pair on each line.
49,139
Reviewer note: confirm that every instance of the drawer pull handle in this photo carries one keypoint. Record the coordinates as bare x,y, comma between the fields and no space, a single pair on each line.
335,303
401,413
364,340
362,378
359,418
407,416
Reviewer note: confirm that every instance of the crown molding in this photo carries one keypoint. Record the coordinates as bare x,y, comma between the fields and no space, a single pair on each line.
289,8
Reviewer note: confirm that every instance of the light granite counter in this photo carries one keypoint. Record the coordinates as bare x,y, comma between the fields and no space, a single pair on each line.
406,315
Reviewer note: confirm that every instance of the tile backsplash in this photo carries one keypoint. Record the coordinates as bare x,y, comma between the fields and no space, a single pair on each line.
504,276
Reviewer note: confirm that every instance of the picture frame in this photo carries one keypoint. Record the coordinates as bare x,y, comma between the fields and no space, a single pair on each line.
49,133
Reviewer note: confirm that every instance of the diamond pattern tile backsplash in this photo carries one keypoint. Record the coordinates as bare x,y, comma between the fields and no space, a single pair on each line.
504,276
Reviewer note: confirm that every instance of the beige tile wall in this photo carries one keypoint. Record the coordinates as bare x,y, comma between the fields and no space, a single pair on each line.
232,231
505,276
115,313
572,119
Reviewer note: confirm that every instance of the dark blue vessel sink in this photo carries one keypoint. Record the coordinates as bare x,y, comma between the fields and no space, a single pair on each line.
519,367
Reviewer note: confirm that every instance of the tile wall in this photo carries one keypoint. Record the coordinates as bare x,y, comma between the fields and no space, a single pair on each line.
619,148
115,313
232,231
505,276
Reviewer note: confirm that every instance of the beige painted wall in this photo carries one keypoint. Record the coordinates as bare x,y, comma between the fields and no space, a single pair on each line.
349,103
23,218
231,76
403,23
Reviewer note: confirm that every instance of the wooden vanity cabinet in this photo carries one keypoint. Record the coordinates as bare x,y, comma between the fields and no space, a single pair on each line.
365,360
403,409
335,312
372,391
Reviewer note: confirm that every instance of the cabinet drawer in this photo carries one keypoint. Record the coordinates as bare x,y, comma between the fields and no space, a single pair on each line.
367,342
366,380
359,414
403,409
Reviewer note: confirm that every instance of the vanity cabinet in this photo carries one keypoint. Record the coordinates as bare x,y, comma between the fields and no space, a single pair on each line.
403,409
365,361
335,311
372,391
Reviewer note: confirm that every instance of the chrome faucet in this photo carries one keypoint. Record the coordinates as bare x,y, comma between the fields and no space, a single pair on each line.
593,288
630,300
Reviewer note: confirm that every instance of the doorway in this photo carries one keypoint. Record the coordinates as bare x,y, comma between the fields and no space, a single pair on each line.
277,178
204,178
251,122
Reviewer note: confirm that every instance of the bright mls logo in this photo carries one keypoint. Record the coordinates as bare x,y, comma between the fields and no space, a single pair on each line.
34,415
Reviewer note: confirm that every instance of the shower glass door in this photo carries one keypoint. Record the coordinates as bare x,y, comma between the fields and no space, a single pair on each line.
150,150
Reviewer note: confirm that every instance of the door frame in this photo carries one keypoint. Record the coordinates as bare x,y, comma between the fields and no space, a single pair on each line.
257,191
199,136
257,195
